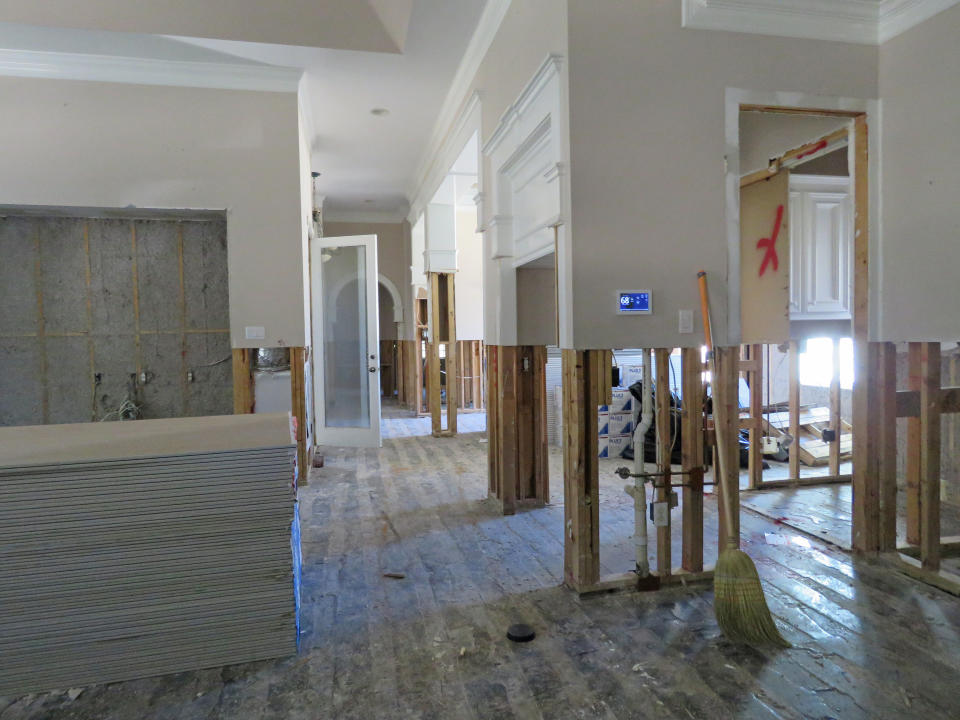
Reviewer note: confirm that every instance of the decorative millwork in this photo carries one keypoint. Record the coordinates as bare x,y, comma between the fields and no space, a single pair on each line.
526,193
867,22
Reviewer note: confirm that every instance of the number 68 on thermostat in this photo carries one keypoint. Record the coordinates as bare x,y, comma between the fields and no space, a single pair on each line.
634,302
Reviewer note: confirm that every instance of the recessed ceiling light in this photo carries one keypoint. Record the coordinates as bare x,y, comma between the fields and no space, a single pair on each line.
380,112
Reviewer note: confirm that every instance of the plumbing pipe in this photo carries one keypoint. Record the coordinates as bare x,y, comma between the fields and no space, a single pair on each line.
639,467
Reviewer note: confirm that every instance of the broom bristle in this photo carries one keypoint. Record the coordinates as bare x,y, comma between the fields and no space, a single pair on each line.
739,602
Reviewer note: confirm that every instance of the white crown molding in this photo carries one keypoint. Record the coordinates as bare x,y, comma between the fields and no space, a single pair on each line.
147,71
487,27
896,16
865,22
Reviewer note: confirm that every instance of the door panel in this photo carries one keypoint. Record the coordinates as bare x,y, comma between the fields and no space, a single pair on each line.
346,340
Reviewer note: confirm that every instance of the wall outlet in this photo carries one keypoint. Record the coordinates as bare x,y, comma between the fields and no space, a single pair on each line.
254,332
686,321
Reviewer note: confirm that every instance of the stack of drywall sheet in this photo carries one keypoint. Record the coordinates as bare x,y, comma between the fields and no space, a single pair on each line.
140,548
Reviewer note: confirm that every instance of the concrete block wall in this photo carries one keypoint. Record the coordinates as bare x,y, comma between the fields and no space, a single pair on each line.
92,303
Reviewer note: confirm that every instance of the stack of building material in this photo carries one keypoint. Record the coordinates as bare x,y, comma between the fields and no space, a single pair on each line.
140,548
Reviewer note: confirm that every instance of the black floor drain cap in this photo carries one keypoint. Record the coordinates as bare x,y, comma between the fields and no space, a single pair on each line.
520,633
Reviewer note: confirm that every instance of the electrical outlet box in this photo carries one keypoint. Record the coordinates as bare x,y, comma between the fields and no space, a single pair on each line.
254,332
686,321
660,514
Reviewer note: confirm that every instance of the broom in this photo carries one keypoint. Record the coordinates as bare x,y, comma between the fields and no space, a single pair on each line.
739,602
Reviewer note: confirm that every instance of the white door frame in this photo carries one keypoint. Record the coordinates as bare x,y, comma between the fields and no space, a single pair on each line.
346,436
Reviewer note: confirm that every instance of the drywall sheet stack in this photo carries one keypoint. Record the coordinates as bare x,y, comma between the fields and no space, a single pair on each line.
132,549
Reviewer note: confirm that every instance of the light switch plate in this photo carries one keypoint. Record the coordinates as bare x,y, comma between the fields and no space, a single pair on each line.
686,321
254,332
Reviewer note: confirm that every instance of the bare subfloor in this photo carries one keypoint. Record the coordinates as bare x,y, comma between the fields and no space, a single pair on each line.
868,643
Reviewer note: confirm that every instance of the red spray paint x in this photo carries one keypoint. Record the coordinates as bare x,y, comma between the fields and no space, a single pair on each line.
770,243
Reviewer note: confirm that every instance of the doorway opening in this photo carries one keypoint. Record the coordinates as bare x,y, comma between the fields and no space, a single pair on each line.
803,277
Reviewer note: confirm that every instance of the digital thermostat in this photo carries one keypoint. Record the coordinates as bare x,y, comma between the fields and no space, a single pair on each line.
634,302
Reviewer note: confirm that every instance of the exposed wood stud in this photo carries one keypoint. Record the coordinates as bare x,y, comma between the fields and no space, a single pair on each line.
835,415
755,380
298,404
865,527
451,338
886,381
664,432
507,427
243,397
930,455
692,454
794,460
582,394
913,447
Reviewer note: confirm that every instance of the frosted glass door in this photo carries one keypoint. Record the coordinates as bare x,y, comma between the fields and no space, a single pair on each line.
346,340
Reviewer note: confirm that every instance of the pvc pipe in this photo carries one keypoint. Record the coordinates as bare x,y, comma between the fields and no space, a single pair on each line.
639,467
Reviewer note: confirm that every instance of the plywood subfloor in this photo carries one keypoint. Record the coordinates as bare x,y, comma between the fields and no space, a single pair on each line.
868,643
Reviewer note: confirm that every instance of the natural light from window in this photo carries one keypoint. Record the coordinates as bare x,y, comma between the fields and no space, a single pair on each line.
816,362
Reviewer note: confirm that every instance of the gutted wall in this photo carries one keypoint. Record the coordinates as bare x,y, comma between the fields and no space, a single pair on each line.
109,145
98,312
647,155
919,73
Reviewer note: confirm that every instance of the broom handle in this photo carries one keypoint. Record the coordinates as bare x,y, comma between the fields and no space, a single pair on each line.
718,426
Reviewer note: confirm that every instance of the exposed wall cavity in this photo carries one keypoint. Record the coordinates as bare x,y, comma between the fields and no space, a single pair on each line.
106,317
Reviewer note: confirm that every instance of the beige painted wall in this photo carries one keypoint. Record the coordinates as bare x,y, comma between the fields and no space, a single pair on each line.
919,86
469,280
531,30
91,144
767,135
647,162
536,306
393,259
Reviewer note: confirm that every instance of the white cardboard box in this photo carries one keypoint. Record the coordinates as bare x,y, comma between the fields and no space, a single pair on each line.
620,423
602,447
622,400
616,444
603,419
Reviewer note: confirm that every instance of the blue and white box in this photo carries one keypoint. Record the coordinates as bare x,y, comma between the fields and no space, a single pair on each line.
620,423
622,401
617,444
630,375
603,420
602,447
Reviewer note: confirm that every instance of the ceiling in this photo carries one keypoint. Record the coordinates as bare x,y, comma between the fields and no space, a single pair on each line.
397,55
370,25
367,161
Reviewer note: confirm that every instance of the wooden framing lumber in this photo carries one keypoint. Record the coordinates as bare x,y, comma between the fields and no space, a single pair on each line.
886,421
804,481
866,504
912,460
754,372
517,426
243,397
507,428
664,423
692,455
794,404
494,486
298,405
631,581
582,394
443,330
835,417
930,456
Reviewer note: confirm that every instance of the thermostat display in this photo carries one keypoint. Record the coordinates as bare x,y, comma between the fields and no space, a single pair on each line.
635,302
